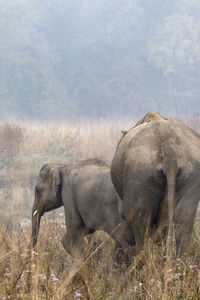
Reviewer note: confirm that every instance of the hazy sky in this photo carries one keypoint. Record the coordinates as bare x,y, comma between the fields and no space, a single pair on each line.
98,59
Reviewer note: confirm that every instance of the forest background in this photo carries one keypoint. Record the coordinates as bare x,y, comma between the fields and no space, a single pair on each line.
68,60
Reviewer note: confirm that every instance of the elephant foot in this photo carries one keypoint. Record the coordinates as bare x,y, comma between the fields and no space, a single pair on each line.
123,257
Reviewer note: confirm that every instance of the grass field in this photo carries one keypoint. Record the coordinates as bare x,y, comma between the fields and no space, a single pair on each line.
49,272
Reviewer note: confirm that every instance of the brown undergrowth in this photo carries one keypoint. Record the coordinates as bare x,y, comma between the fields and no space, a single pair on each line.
48,272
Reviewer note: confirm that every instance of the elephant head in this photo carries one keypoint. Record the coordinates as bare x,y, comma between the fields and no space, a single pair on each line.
47,196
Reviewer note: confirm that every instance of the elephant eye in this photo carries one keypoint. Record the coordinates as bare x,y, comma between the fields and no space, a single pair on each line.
38,191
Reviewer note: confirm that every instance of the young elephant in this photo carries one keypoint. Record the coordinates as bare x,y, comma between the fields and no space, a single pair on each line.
89,198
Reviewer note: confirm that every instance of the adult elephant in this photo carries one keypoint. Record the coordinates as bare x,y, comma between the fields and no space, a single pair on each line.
156,172
89,198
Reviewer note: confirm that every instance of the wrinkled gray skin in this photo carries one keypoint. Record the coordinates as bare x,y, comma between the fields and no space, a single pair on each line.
89,198
156,172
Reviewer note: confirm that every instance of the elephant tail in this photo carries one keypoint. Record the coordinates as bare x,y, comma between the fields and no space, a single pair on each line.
171,179
171,171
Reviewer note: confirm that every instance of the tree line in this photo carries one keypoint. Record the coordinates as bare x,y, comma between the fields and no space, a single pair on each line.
64,59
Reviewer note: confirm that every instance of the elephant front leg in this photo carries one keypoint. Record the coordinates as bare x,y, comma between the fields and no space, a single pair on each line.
73,240
73,243
66,243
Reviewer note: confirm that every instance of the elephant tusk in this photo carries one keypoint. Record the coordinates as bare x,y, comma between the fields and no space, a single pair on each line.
85,239
35,212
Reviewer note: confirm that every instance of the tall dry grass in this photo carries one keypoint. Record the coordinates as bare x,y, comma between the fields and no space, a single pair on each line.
49,272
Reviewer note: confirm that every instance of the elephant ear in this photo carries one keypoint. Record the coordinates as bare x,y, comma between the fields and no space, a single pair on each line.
55,180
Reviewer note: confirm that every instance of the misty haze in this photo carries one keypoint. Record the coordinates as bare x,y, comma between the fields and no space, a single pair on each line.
99,59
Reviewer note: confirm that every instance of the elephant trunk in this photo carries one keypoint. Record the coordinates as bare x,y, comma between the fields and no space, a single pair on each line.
37,213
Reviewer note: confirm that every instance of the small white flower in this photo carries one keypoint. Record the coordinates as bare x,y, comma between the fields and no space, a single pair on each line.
53,275
191,266
152,280
55,279
135,290
44,277
78,295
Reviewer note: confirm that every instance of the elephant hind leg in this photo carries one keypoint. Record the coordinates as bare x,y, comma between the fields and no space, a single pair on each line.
160,232
138,218
184,216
